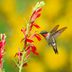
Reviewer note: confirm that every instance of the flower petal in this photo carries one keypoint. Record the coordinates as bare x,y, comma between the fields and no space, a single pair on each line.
36,53
29,40
35,15
1,44
38,36
34,50
37,26
23,30
38,15
39,9
1,56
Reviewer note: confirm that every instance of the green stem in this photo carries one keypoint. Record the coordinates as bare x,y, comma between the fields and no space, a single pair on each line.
20,67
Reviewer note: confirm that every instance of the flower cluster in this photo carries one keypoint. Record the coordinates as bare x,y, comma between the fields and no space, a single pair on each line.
29,47
2,45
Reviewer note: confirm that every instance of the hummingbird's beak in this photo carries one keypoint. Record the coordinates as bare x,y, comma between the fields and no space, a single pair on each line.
40,33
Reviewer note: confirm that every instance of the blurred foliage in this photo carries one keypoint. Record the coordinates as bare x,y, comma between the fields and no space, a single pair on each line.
14,15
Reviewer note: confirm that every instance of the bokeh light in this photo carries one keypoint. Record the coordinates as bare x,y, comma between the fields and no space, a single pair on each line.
55,61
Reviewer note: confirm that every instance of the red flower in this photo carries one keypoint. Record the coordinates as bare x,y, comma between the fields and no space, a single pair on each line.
35,15
32,49
37,26
29,40
37,36
34,24
2,44
19,54
1,56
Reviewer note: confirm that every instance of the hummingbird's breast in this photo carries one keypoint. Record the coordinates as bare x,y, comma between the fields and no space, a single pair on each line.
48,36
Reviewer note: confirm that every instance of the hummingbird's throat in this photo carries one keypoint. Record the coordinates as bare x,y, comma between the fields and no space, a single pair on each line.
45,35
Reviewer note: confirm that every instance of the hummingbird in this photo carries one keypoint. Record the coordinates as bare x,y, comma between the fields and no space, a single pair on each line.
52,35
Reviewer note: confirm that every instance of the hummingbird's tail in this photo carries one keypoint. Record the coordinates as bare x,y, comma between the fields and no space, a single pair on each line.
54,46
55,50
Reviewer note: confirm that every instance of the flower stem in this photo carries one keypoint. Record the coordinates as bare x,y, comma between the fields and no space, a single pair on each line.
20,67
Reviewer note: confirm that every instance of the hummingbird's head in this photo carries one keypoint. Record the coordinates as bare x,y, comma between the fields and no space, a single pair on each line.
44,33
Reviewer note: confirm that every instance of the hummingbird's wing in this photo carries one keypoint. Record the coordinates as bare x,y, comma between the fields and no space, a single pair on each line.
57,33
54,45
54,29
